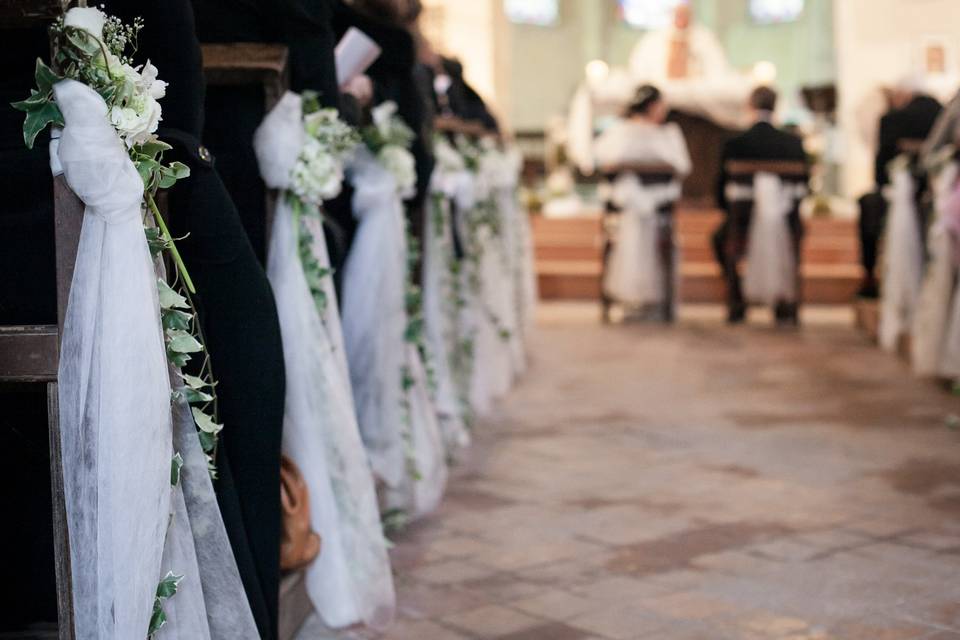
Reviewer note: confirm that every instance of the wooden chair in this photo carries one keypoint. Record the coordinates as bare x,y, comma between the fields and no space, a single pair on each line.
742,172
648,175
29,355
264,65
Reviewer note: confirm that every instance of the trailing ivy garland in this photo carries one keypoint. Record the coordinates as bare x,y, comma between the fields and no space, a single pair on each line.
95,49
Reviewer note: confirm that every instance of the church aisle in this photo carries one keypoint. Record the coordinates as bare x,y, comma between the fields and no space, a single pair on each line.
697,482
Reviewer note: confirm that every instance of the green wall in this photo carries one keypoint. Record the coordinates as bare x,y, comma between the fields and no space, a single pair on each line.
546,63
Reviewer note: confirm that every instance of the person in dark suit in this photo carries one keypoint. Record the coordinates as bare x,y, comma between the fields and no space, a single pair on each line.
911,116
762,141
235,306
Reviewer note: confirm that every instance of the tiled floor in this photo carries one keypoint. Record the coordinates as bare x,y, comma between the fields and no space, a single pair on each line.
697,482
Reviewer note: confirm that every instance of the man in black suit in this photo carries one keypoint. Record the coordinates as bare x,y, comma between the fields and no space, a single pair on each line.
762,141
911,116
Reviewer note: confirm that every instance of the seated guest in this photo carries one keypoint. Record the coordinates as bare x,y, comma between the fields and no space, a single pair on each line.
644,136
911,116
640,268
762,141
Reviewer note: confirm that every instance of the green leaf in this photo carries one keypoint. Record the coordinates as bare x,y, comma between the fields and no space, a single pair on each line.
180,170
176,464
193,396
45,77
194,382
182,342
152,148
208,442
174,319
204,422
158,619
178,359
38,119
170,299
168,586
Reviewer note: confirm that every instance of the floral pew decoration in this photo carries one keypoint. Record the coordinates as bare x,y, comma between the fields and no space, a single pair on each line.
138,437
383,327
302,150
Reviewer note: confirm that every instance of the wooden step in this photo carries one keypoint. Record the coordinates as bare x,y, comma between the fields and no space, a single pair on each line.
700,282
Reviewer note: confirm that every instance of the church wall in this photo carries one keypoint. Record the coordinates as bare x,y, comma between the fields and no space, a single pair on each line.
879,41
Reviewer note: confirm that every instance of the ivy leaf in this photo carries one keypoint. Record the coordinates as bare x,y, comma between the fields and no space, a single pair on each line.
180,170
182,342
155,241
158,619
153,148
193,396
38,119
194,382
176,464
168,586
208,442
170,299
45,77
204,422
178,359
175,319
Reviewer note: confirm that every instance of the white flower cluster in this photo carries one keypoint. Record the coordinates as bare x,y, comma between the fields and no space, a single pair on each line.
402,166
448,158
318,174
389,138
137,113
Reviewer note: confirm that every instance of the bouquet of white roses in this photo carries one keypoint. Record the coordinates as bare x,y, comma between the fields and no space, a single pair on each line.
389,139
328,145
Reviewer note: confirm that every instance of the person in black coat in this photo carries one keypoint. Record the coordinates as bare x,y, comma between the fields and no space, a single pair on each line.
389,23
235,305
911,117
762,141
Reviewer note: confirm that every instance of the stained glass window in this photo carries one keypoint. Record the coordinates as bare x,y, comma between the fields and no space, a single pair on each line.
773,11
538,12
648,14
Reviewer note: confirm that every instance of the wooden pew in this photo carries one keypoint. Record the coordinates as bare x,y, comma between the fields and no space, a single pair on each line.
790,171
264,65
30,354
647,174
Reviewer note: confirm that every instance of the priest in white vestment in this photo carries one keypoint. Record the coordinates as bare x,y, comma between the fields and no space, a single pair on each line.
684,50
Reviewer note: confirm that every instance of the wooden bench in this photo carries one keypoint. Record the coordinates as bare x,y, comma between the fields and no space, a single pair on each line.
648,175
742,172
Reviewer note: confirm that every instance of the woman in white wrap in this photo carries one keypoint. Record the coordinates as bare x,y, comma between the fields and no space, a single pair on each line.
397,417
350,582
635,271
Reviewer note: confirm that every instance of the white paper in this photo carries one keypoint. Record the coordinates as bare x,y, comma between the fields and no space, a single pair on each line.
355,53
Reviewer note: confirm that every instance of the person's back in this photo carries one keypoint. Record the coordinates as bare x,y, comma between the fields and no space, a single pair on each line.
762,141
913,121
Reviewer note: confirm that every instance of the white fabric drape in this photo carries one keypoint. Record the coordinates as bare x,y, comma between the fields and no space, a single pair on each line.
930,322
903,260
128,526
770,275
114,386
439,308
635,270
350,582
404,446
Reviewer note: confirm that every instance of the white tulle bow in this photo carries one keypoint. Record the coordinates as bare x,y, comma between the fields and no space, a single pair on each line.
114,387
770,274
903,267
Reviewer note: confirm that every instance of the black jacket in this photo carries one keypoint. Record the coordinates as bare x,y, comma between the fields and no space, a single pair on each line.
762,141
913,121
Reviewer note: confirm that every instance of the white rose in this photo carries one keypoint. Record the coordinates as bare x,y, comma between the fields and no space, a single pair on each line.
138,122
149,82
402,166
383,116
90,19
318,175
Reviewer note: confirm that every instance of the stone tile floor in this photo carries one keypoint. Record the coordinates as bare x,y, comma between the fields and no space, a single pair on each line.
697,482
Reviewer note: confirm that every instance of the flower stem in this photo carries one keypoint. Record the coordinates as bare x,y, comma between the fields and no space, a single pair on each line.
181,267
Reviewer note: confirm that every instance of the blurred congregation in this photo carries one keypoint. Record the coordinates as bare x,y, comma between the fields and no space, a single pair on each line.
267,266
